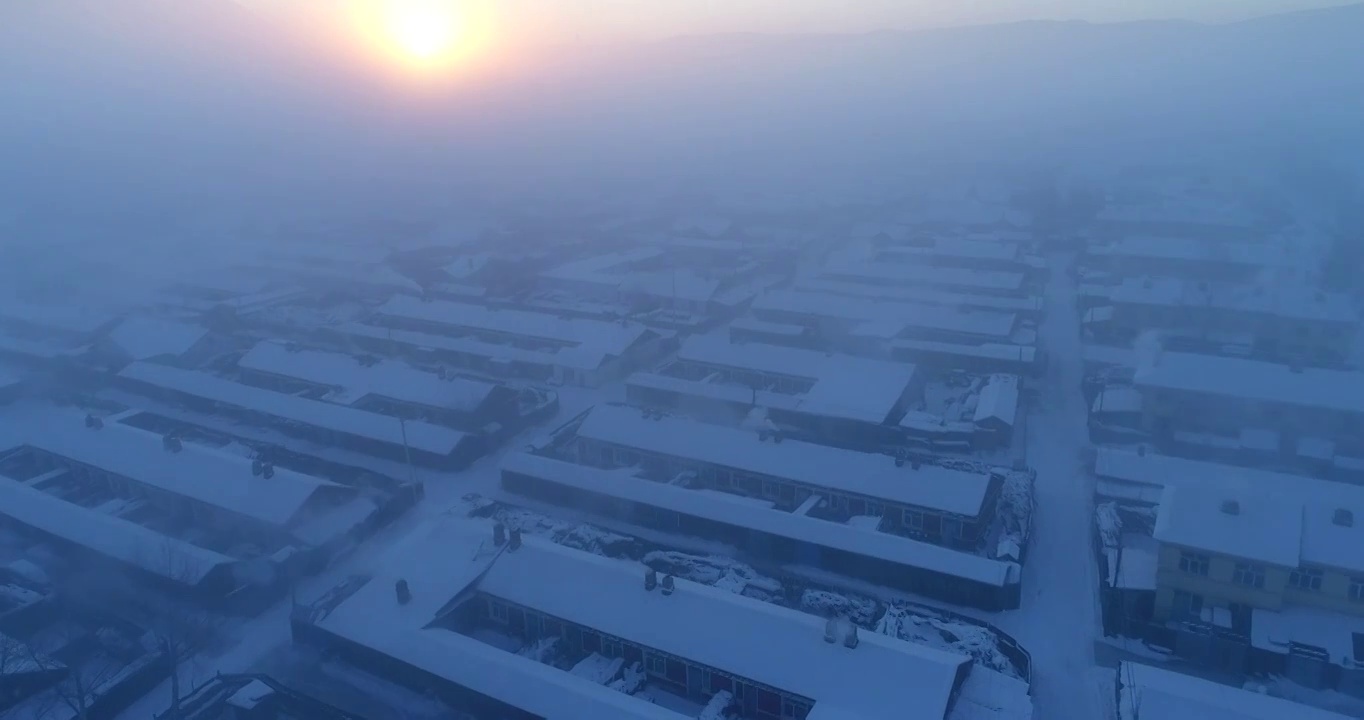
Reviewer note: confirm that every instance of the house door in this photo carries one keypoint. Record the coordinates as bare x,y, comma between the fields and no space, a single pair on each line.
695,681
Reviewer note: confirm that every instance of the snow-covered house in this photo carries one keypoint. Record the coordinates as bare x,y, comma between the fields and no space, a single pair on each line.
997,407
508,343
387,386
1276,572
837,399
1286,320
1145,692
714,279
488,617
329,424
161,340
255,697
1224,395
104,466
871,325
786,501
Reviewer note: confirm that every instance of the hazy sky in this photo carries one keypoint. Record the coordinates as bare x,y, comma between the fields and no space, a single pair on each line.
644,19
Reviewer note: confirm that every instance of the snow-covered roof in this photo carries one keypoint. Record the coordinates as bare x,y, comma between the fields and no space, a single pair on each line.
895,317
1193,250
712,225
140,337
107,535
956,248
467,266
772,645
1284,300
580,358
608,595
609,338
438,565
385,378
198,472
1331,630
329,416
844,386
1254,380
907,273
1025,354
820,466
1149,693
998,400
1121,399
614,271
919,294
1251,525
855,540
73,319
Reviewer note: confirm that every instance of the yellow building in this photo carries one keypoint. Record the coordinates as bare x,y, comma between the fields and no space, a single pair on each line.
1229,555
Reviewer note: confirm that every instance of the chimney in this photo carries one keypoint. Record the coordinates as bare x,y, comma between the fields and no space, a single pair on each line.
831,629
1231,507
850,638
1343,517
650,579
499,534
515,543
172,444
668,585
93,422
403,592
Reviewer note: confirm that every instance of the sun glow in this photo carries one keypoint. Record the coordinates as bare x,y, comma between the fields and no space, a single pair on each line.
425,35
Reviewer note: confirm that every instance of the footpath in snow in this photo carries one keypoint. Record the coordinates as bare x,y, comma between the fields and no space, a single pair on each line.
1059,618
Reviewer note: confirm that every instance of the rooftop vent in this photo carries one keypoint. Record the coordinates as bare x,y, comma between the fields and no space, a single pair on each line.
93,422
515,541
831,629
172,444
650,579
261,468
1343,517
669,584
402,591
499,534
1231,507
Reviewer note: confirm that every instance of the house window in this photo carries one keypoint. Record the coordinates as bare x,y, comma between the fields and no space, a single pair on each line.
1306,579
1187,605
1249,575
770,489
723,478
553,628
1357,588
1193,563
656,665
610,647
769,702
720,682
497,611
914,520
794,709
591,642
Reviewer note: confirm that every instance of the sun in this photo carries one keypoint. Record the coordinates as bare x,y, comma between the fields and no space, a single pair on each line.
428,35
424,30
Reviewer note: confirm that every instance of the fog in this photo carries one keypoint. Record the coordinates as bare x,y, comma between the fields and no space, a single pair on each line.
1024,346
168,111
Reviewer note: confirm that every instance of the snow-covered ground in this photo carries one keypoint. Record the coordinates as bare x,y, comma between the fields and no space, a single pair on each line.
1059,618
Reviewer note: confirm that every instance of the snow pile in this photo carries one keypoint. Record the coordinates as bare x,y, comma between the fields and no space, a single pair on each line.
543,650
717,571
578,536
715,709
1110,524
632,679
598,668
860,610
1014,513
944,634
758,421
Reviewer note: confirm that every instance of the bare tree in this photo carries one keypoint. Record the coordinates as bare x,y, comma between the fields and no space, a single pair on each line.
82,682
179,627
